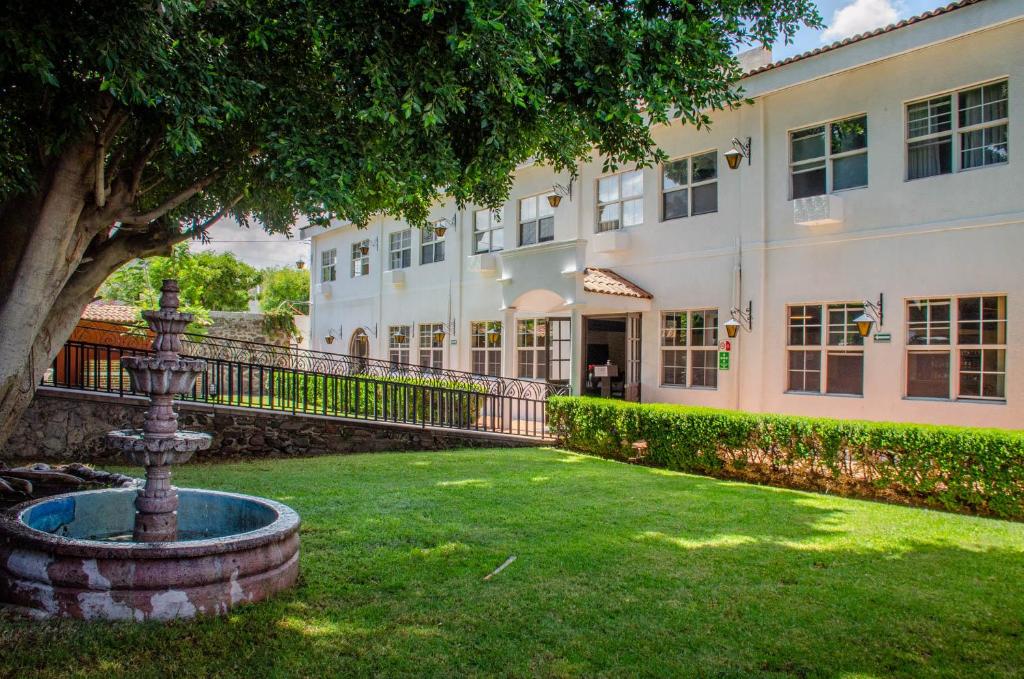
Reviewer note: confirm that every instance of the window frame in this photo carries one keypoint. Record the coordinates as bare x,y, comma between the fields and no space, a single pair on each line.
539,352
688,349
955,131
435,245
358,258
824,348
429,347
399,352
689,186
329,263
494,224
829,158
489,353
540,199
620,200
404,251
953,348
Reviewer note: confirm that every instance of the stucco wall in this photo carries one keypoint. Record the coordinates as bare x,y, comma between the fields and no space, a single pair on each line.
66,425
937,237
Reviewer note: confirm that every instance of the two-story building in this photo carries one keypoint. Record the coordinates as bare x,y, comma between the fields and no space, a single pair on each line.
878,180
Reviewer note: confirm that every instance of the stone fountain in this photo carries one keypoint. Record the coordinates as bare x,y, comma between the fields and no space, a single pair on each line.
157,552
159,444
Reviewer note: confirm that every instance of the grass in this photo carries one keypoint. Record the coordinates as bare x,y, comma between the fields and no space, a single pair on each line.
621,571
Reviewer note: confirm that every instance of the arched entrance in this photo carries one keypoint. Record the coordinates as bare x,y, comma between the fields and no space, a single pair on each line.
359,348
359,345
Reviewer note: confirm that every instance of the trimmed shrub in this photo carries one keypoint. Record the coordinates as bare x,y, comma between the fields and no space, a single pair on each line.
957,468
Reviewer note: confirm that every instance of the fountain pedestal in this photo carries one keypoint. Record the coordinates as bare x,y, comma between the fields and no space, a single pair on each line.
159,444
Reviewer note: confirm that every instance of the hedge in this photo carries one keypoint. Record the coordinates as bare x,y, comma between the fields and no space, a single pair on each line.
406,399
957,468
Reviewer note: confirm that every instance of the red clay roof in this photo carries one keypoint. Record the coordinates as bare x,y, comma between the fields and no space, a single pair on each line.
109,311
864,36
607,282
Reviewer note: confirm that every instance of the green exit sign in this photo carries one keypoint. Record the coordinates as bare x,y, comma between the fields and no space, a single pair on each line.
723,360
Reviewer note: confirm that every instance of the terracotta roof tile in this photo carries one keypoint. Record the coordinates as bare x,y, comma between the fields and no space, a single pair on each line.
864,36
607,282
108,311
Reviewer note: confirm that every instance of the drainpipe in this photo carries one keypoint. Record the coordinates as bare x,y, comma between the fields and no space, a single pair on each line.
381,328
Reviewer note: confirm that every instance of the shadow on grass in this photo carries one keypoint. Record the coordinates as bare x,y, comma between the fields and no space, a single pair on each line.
619,571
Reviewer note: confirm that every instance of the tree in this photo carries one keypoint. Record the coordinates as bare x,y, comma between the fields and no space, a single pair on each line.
128,127
208,280
284,286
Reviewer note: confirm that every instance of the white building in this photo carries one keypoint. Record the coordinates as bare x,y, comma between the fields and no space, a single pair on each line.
888,168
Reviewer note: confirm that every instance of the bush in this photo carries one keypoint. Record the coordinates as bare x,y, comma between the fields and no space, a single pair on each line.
404,399
958,468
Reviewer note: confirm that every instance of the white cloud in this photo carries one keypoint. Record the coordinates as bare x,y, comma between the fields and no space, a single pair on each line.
860,16
254,245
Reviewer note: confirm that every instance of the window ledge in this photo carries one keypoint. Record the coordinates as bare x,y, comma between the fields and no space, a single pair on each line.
821,393
690,388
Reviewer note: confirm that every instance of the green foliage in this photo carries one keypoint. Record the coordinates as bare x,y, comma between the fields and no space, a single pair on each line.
280,322
208,280
410,399
957,468
351,108
284,287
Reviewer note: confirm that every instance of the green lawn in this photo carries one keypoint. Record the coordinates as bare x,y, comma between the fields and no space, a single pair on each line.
621,571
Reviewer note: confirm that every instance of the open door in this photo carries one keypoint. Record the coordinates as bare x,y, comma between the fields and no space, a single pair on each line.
632,386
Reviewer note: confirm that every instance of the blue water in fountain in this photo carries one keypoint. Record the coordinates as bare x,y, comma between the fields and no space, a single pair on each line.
109,515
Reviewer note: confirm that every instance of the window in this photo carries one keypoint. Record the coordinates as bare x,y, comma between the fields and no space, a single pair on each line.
689,186
399,339
328,265
689,348
620,200
432,345
559,349
360,262
400,249
974,341
488,233
536,220
485,347
976,136
532,348
431,245
829,157
825,349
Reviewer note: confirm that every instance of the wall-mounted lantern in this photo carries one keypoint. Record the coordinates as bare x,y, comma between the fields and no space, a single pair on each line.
364,246
873,312
441,226
329,337
399,337
559,190
738,151
300,264
741,318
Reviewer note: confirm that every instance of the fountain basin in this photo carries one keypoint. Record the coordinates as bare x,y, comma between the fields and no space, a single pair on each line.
72,556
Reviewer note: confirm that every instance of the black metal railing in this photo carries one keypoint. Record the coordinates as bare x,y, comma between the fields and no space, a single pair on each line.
425,400
322,362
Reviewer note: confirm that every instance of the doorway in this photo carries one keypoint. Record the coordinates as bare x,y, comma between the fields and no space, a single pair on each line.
612,341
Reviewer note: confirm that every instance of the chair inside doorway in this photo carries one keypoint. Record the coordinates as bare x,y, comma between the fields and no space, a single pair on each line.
605,347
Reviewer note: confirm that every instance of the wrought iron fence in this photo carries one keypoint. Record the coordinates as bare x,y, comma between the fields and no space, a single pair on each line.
322,362
267,381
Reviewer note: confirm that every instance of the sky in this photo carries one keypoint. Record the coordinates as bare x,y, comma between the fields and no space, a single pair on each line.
843,18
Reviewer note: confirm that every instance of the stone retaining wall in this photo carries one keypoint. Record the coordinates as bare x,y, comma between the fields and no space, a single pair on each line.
245,326
63,425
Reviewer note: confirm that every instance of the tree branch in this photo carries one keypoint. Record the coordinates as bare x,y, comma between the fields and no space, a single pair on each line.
172,202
